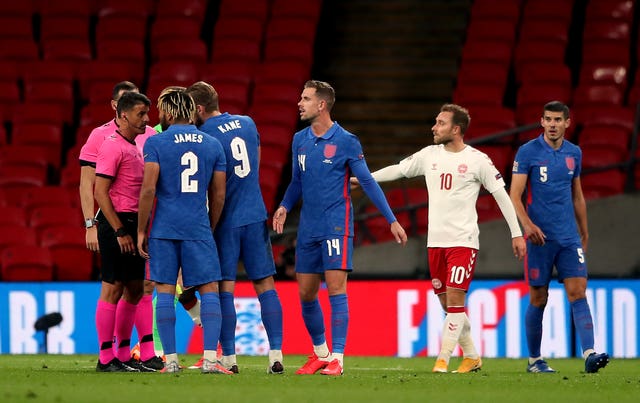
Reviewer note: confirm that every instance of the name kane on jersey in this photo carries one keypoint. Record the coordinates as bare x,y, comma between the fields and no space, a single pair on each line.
231,125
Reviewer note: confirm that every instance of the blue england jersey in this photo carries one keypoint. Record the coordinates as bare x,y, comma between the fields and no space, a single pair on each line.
549,191
322,167
187,158
240,139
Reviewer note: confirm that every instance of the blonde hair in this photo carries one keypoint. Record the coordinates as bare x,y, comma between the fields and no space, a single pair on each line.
177,103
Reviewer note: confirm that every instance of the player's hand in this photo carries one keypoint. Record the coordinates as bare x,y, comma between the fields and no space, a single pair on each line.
126,245
535,234
355,183
519,247
143,245
91,237
398,233
279,218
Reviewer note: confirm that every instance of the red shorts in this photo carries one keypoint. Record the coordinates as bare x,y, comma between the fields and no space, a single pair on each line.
451,267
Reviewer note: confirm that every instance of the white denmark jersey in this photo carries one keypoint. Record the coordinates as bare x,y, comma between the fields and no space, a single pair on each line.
453,182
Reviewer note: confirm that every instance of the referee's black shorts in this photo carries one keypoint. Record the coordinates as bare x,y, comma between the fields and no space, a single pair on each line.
118,266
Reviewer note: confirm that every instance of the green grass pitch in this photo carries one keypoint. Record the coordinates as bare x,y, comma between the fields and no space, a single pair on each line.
72,378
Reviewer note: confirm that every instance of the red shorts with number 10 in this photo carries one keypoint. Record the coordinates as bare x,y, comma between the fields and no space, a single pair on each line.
451,267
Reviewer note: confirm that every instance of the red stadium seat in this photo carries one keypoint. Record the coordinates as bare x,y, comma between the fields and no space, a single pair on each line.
234,96
106,74
309,9
614,29
12,215
52,92
40,134
182,72
495,9
598,94
499,29
63,27
483,73
74,8
289,28
16,27
616,9
549,29
606,137
610,51
194,50
40,70
242,50
479,95
535,51
175,27
140,9
17,8
9,97
72,260
76,50
284,114
487,51
255,8
248,28
289,49
122,50
539,94
603,184
284,71
17,179
547,9
43,217
95,114
19,50
595,156
38,112
275,135
13,235
30,158
556,73
26,263
602,73
608,115
120,27
228,71
265,93
274,156
195,10
45,196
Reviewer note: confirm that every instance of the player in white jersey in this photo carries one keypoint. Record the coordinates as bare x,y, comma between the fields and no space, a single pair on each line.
453,173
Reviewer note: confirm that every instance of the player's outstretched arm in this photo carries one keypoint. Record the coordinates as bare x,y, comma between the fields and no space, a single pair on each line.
145,204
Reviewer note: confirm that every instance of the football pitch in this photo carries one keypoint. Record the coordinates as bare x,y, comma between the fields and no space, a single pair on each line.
72,378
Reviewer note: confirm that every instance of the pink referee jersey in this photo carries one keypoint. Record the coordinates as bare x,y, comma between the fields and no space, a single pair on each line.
123,162
89,151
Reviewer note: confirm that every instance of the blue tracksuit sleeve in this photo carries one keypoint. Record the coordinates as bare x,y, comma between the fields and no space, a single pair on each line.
372,189
294,190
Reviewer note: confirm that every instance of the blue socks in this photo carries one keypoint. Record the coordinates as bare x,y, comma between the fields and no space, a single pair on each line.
314,321
583,322
211,319
166,321
339,322
533,327
271,312
229,320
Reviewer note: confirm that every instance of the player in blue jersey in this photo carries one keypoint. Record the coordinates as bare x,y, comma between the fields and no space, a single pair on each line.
324,157
183,167
555,225
241,233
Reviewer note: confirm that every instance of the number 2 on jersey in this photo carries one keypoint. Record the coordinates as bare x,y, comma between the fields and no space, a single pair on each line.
187,184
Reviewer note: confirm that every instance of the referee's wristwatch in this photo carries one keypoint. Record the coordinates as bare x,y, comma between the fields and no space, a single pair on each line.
90,222
120,232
